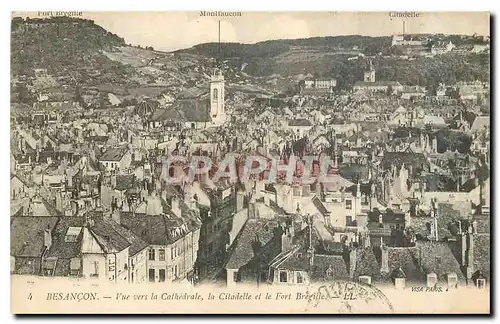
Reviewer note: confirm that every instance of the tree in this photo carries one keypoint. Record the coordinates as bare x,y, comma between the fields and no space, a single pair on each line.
103,100
390,90
24,95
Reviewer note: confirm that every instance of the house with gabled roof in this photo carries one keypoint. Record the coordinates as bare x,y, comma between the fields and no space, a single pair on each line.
90,247
172,232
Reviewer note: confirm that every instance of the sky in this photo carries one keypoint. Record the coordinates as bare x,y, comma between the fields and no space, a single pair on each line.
168,31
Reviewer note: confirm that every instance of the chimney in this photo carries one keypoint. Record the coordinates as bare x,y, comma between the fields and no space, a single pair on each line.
352,262
286,239
384,259
175,206
69,176
47,238
310,250
240,198
463,249
251,208
435,223
470,250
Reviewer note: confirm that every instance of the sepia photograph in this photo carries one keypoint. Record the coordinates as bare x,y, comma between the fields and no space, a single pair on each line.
234,162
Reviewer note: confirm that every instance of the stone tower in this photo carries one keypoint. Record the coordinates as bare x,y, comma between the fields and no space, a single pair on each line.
217,109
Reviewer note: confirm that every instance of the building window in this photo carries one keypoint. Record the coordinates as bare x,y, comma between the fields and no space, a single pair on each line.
367,280
399,283
329,272
161,254
348,220
172,253
216,93
75,265
348,204
452,280
300,278
431,280
72,234
283,276
161,275
152,254
151,275
235,276
95,267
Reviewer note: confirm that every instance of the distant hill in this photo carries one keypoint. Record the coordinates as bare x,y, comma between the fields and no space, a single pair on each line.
60,44
342,58
78,49
286,57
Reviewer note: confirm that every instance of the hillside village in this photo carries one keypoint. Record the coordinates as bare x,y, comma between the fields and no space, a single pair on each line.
93,119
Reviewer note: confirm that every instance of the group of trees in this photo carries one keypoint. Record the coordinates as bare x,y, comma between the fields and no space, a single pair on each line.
60,45
261,59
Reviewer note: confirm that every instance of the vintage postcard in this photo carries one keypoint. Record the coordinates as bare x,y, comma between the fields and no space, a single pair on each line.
250,162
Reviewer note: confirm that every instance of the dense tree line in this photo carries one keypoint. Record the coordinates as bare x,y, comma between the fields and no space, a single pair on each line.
429,72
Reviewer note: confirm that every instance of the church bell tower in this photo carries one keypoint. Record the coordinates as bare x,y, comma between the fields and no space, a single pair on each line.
217,109
217,95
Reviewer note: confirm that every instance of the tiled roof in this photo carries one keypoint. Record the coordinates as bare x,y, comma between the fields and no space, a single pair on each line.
482,253
27,235
61,248
161,229
254,230
328,267
296,259
107,234
436,257
402,258
366,264
149,228
113,154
